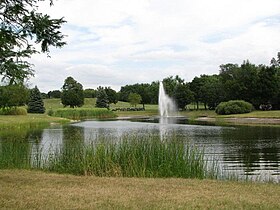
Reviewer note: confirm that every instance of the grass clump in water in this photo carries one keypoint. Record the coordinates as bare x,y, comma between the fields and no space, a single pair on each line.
132,156
83,113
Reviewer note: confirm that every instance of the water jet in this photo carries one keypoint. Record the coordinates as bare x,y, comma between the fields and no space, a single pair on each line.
167,107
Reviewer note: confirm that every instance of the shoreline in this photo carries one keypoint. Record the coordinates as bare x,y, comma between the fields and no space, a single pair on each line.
241,120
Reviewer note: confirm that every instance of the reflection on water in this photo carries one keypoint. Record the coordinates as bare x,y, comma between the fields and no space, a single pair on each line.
252,151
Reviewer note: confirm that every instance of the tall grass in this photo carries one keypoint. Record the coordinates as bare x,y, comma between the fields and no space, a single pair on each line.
132,156
13,111
15,155
83,113
30,121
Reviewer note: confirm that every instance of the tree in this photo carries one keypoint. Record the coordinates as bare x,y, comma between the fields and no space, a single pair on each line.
170,84
196,86
142,89
240,82
182,95
72,93
276,62
229,81
89,93
35,104
153,91
102,100
22,27
134,99
44,95
268,84
54,94
13,95
112,95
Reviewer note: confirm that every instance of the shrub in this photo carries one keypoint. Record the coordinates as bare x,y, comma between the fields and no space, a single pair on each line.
13,111
234,107
50,112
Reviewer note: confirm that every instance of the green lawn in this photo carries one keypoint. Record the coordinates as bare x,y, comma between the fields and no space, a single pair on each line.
257,114
27,121
211,113
55,103
150,109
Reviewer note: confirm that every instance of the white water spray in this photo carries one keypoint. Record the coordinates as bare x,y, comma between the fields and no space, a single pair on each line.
166,105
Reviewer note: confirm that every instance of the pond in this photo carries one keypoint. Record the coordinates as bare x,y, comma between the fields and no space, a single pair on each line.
243,151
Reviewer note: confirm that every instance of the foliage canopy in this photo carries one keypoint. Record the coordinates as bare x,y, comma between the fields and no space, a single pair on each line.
72,93
22,27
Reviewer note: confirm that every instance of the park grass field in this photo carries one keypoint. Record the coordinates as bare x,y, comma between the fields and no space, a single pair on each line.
21,189
55,103
211,114
150,110
28,121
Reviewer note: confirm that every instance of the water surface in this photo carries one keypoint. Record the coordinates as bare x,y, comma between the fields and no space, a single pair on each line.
242,150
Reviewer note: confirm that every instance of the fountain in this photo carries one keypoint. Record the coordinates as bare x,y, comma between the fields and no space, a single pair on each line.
167,107
167,110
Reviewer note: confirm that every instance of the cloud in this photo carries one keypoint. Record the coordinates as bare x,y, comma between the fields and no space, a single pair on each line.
115,43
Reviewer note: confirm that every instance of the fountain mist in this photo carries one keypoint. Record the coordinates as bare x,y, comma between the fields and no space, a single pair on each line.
166,105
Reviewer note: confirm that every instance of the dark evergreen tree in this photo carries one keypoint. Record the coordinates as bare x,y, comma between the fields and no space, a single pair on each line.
35,104
72,93
102,100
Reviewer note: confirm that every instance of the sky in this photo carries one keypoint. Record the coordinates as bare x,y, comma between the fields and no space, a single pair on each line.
121,42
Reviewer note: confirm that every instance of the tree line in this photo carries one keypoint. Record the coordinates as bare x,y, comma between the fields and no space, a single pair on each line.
257,84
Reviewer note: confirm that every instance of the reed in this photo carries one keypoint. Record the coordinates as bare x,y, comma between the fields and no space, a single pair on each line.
15,155
131,156
83,113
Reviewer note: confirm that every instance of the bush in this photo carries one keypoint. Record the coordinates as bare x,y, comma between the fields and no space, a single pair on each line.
13,111
234,107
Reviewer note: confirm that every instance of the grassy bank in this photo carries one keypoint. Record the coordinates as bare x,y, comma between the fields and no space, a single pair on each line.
37,190
211,113
28,121
83,113
255,118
